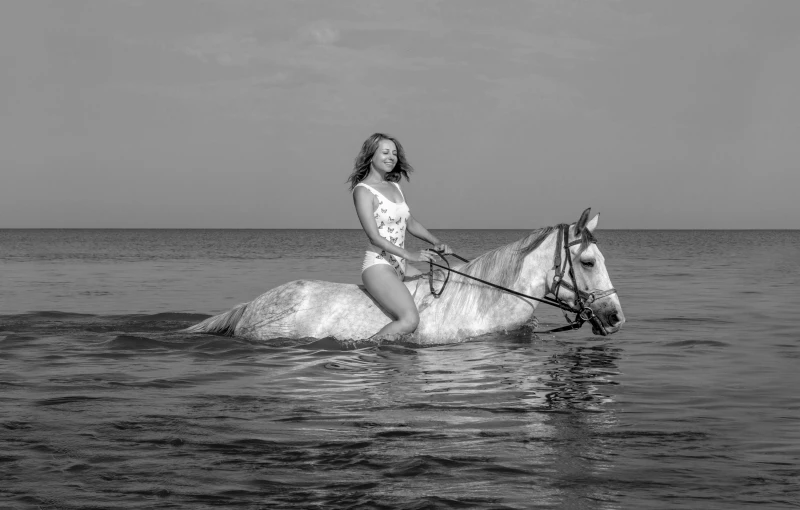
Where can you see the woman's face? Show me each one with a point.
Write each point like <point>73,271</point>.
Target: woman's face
<point>385,157</point>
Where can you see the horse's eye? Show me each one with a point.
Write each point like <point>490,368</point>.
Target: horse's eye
<point>587,263</point>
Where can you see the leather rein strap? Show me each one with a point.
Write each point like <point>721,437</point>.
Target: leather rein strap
<point>582,298</point>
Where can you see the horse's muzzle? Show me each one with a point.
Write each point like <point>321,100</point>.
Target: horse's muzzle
<point>608,320</point>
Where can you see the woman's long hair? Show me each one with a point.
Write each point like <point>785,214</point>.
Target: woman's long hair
<point>362,163</point>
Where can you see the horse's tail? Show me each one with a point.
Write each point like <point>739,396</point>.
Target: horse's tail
<point>223,324</point>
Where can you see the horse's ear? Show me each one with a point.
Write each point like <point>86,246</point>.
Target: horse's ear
<point>593,223</point>
<point>582,222</point>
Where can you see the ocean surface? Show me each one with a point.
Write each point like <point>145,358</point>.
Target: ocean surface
<point>105,404</point>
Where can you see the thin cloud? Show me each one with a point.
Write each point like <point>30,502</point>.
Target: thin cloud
<point>321,33</point>
<point>225,48</point>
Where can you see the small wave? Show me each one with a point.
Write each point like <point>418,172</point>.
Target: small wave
<point>402,433</point>
<point>691,320</point>
<point>687,435</point>
<point>130,342</point>
<point>16,425</point>
<point>52,314</point>
<point>252,446</point>
<point>694,343</point>
<point>431,465</point>
<point>173,316</point>
<point>469,408</point>
<point>72,399</point>
<point>17,340</point>
<point>323,344</point>
<point>126,425</point>
<point>226,345</point>
<point>61,322</point>
<point>445,502</point>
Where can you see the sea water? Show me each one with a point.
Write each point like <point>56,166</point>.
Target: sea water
<point>104,404</point>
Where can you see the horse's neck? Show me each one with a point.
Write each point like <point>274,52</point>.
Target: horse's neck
<point>532,281</point>
<point>533,277</point>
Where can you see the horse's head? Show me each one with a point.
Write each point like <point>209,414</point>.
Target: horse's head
<point>592,277</point>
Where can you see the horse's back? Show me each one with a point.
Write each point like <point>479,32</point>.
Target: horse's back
<point>312,309</point>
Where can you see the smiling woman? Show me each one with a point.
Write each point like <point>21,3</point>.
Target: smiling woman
<point>385,217</point>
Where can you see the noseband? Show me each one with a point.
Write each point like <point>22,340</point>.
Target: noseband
<point>582,298</point>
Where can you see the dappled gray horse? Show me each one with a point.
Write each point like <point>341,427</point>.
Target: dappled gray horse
<point>467,308</point>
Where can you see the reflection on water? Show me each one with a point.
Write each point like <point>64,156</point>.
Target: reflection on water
<point>579,376</point>
<point>582,383</point>
<point>201,420</point>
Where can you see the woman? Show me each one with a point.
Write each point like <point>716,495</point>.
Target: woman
<point>385,217</point>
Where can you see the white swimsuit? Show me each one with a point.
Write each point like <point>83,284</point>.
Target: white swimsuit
<point>391,219</point>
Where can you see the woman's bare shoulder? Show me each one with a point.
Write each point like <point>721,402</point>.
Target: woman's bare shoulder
<point>362,193</point>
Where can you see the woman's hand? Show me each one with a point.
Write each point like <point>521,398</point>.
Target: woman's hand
<point>421,256</point>
<point>443,248</point>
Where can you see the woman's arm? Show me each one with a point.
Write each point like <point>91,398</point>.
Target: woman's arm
<point>365,208</point>
<point>417,230</point>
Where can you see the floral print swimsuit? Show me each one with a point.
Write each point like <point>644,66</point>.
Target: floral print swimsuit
<point>391,219</point>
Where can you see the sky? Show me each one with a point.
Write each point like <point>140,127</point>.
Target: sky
<point>515,114</point>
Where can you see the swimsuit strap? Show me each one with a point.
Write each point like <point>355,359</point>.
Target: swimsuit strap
<point>366,186</point>
<point>373,190</point>
<point>400,190</point>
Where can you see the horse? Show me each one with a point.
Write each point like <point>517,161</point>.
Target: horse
<point>466,308</point>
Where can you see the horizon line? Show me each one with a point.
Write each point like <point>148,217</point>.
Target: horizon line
<point>358,228</point>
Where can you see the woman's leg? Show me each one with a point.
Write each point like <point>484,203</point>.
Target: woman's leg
<point>386,288</point>
<point>412,271</point>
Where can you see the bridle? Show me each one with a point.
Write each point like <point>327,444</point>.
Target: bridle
<point>582,298</point>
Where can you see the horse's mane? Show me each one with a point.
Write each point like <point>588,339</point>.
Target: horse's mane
<point>501,266</point>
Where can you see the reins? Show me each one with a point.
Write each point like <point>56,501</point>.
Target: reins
<point>582,311</point>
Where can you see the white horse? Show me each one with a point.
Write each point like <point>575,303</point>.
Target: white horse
<point>467,308</point>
